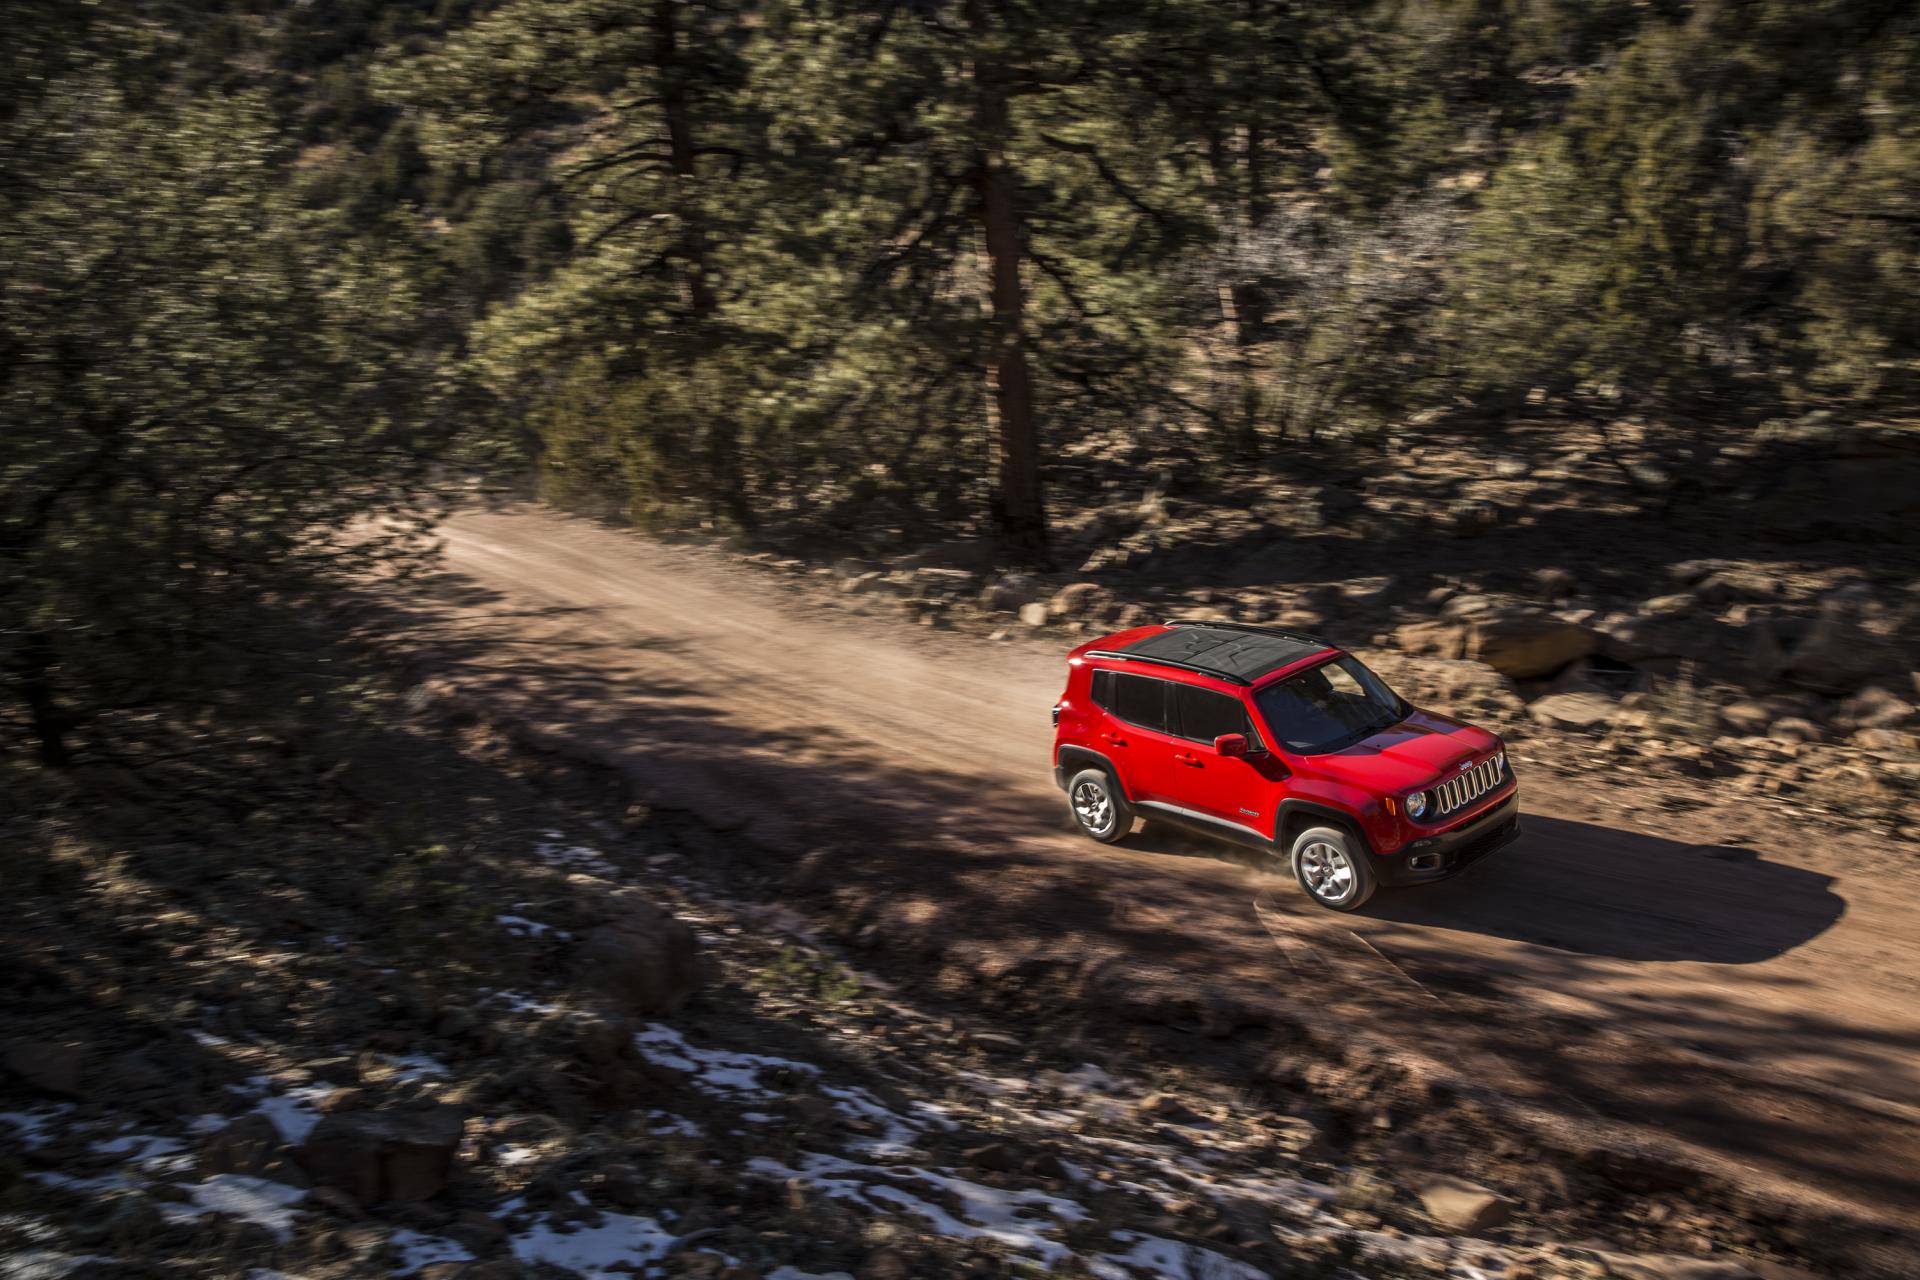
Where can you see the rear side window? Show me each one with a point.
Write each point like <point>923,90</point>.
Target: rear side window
<point>1138,700</point>
<point>1205,715</point>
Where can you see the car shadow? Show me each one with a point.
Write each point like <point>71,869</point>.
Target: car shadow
<point>1590,890</point>
<point>1602,891</point>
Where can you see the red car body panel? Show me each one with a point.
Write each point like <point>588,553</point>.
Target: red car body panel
<point>1364,785</point>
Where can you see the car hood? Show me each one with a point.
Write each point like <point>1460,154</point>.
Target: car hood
<point>1411,755</point>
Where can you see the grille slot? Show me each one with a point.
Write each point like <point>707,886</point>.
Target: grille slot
<point>1463,789</point>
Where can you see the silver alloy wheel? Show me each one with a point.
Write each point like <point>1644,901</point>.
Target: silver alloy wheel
<point>1327,872</point>
<point>1092,806</point>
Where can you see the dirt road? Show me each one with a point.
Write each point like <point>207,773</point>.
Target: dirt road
<point>1758,1001</point>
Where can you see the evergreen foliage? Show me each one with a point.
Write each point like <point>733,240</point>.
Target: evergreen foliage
<point>878,269</point>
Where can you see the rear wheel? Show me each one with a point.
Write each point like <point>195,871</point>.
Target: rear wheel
<point>1098,806</point>
<point>1332,869</point>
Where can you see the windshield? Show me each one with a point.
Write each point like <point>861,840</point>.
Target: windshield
<point>1328,707</point>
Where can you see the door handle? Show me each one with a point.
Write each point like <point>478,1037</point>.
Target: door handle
<point>1115,739</point>
<point>1186,757</point>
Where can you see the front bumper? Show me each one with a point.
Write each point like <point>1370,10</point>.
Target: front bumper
<point>1450,852</point>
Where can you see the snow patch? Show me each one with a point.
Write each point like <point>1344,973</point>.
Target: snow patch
<point>1170,1260</point>
<point>31,1126</point>
<point>293,1111</point>
<point>138,1147</point>
<point>555,852</point>
<point>257,1200</point>
<point>720,1073</point>
<point>521,927</point>
<point>417,1249</point>
<point>618,1246</point>
<point>45,1264</point>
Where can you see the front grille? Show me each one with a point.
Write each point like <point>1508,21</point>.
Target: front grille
<point>1463,789</point>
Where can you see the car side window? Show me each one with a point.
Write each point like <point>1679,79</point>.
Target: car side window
<point>1138,700</point>
<point>1204,714</point>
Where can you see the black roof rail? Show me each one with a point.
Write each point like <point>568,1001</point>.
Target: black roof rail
<point>1248,626</point>
<point>1150,660</point>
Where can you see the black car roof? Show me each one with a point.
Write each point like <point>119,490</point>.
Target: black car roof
<point>1228,651</point>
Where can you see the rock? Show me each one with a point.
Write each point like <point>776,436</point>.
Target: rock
<point>644,959</point>
<point>1166,1107</point>
<point>1076,599</point>
<point>996,1157</point>
<point>1876,708</point>
<point>1577,711</point>
<point>1671,1266</point>
<point>1463,1207</point>
<point>1553,584</point>
<point>1033,614</point>
<point>1748,718</point>
<point>120,1215</point>
<point>1796,729</point>
<point>249,1144</point>
<point>1470,689</point>
<point>884,1264</point>
<point>58,1067</point>
<point>378,1156</point>
<point>1472,517</point>
<point>1439,639</point>
<point>1524,646</point>
<point>1894,740</point>
<point>1008,592</point>
<point>1045,1164</point>
<point>334,1201</point>
<point>1839,652</point>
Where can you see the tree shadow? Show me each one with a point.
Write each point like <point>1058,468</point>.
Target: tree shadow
<point>940,865</point>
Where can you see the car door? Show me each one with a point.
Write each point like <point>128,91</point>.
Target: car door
<point>1230,789</point>
<point>1134,735</point>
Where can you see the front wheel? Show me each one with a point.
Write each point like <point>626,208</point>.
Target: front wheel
<point>1332,868</point>
<point>1098,806</point>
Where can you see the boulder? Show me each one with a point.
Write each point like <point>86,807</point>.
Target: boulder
<point>1033,614</point>
<point>249,1144</point>
<point>1472,517</point>
<point>1438,639</point>
<point>1076,599</point>
<point>1875,707</point>
<point>1524,646</point>
<point>1796,729</point>
<point>644,959</point>
<point>1008,592</point>
<point>1746,717</point>
<point>1463,1207</point>
<point>1579,710</point>
<point>1470,689</point>
<point>385,1156</point>
<point>1553,583</point>
<point>1839,652</point>
<point>1893,740</point>
<point>57,1067</point>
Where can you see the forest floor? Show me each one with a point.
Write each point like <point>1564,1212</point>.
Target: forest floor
<point>931,1032</point>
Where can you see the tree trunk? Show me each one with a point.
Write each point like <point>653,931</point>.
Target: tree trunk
<point>726,493</point>
<point>43,712</point>
<point>1019,508</point>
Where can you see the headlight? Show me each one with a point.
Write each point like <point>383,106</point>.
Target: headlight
<point>1417,805</point>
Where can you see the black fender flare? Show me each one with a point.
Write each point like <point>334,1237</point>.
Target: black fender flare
<point>1071,759</point>
<point>1291,807</point>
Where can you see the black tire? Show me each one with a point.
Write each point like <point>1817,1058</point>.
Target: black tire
<point>1099,807</point>
<point>1333,860</point>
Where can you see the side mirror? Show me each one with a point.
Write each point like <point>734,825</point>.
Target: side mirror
<point>1230,744</point>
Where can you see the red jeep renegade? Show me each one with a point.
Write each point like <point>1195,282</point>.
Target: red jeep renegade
<point>1281,741</point>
